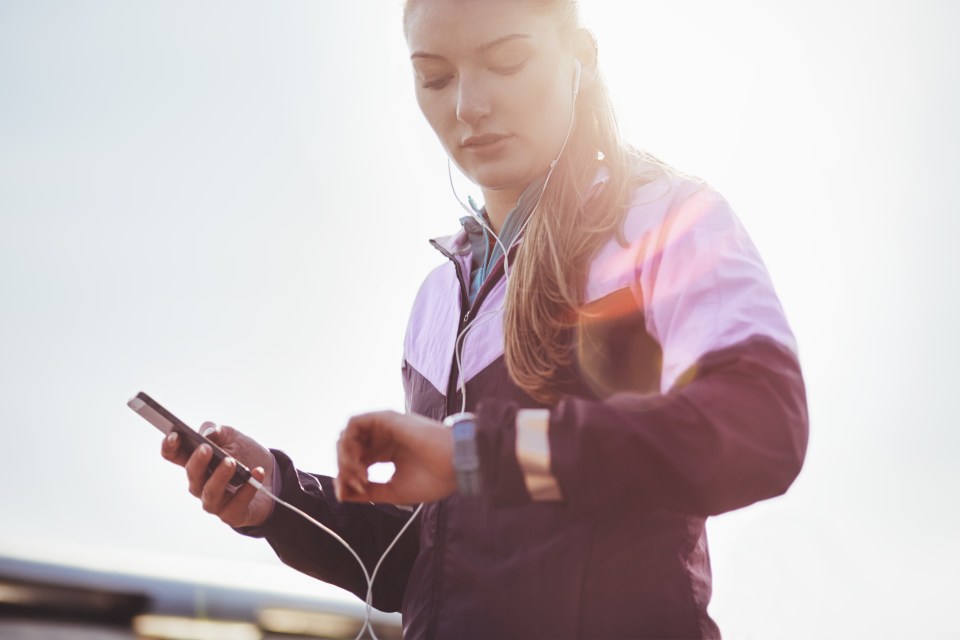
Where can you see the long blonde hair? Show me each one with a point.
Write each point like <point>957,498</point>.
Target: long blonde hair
<point>548,276</point>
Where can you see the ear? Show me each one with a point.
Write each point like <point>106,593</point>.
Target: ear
<point>585,50</point>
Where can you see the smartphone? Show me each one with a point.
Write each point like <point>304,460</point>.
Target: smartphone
<point>154,413</point>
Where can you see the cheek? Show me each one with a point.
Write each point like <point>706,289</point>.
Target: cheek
<point>437,113</point>
<point>545,105</point>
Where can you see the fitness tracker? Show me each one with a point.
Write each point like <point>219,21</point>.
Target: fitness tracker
<point>466,463</point>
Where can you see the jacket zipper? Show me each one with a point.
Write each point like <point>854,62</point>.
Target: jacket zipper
<point>493,277</point>
<point>440,532</point>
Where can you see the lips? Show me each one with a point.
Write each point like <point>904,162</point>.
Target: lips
<point>483,141</point>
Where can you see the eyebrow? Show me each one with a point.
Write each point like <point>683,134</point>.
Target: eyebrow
<point>481,49</point>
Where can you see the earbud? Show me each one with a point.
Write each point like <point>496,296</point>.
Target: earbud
<point>577,69</point>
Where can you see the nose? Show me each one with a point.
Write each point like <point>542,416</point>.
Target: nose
<point>473,101</point>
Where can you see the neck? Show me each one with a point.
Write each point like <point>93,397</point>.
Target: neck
<point>498,204</point>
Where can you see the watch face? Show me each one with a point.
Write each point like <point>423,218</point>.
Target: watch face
<point>464,429</point>
<point>466,463</point>
<point>464,445</point>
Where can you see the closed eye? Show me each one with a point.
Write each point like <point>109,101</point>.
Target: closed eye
<point>438,83</point>
<point>509,70</point>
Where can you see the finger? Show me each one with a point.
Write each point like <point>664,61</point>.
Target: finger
<point>196,468</point>
<point>170,449</point>
<point>237,509</point>
<point>368,438</point>
<point>382,492</point>
<point>349,490</point>
<point>379,435</point>
<point>350,454</point>
<point>351,484</point>
<point>214,492</point>
<point>372,492</point>
<point>349,446</point>
<point>218,433</point>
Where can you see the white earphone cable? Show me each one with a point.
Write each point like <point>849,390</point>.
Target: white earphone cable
<point>461,383</point>
<point>458,343</point>
<point>368,576</point>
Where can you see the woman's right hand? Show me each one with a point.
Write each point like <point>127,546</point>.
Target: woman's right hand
<point>247,507</point>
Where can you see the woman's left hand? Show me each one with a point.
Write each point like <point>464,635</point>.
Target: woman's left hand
<point>421,450</point>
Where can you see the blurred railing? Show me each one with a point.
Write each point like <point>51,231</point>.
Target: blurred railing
<point>50,601</point>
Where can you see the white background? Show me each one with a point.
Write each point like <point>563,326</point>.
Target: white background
<point>226,204</point>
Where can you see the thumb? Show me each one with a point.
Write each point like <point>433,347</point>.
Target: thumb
<point>370,492</point>
<point>217,433</point>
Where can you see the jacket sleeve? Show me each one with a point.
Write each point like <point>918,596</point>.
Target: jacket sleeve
<point>368,529</point>
<point>730,424</point>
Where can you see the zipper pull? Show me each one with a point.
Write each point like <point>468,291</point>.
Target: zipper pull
<point>466,317</point>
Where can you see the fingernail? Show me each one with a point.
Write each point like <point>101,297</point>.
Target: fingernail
<point>171,437</point>
<point>336,491</point>
<point>357,486</point>
<point>204,449</point>
<point>229,462</point>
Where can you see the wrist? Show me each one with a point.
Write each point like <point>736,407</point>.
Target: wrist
<point>271,474</point>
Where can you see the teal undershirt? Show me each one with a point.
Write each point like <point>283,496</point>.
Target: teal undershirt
<point>485,250</point>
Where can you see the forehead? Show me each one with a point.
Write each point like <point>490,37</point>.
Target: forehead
<point>448,27</point>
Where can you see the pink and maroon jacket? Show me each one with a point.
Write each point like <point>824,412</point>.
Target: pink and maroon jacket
<point>689,402</point>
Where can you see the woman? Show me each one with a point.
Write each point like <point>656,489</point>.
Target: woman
<point>623,372</point>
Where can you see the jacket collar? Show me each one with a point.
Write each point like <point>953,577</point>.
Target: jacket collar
<point>459,243</point>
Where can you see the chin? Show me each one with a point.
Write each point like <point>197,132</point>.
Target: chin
<point>498,178</point>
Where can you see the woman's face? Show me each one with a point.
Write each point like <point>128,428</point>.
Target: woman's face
<point>495,82</point>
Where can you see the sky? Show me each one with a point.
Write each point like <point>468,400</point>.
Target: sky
<point>226,204</point>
